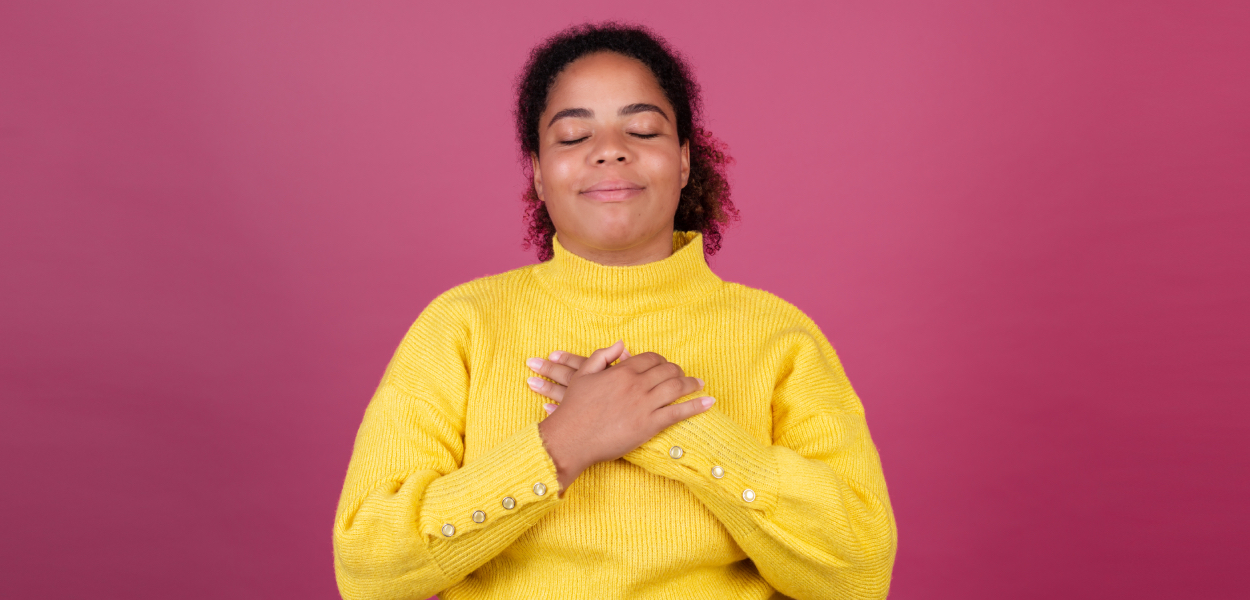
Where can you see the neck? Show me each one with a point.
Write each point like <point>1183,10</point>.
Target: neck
<point>657,247</point>
<point>620,290</point>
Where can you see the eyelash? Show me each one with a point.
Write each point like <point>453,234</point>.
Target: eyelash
<point>645,136</point>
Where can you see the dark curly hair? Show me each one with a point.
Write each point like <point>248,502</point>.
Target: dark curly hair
<point>705,205</point>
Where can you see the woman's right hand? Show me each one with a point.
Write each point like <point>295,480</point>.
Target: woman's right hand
<point>605,413</point>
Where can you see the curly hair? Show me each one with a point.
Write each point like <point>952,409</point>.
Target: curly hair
<point>705,204</point>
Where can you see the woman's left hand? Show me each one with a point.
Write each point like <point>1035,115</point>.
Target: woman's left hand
<point>558,366</point>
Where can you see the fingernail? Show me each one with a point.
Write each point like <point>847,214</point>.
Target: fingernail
<point>550,408</point>
<point>534,363</point>
<point>555,355</point>
<point>535,382</point>
<point>700,381</point>
<point>707,401</point>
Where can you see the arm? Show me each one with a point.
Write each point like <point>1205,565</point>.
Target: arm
<point>406,480</point>
<point>819,524</point>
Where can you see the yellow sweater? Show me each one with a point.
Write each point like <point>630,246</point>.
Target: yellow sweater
<point>450,490</point>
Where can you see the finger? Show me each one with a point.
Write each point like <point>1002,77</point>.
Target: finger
<point>660,373</point>
<point>601,358</point>
<point>644,361</point>
<point>552,370</point>
<point>681,411</point>
<point>671,389</point>
<point>567,359</point>
<point>549,389</point>
<point>624,355</point>
<point>574,360</point>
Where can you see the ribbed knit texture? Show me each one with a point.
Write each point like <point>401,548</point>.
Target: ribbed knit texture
<point>453,429</point>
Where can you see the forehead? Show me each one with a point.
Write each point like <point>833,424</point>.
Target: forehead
<point>606,79</point>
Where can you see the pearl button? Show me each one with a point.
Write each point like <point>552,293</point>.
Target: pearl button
<point>540,488</point>
<point>718,472</point>
<point>449,530</point>
<point>509,503</point>
<point>675,452</point>
<point>748,495</point>
<point>478,516</point>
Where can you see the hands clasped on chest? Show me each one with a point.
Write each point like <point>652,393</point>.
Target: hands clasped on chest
<point>604,413</point>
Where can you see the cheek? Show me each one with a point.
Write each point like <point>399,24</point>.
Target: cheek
<point>663,166</point>
<point>560,172</point>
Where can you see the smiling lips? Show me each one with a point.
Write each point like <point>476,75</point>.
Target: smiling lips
<point>613,190</point>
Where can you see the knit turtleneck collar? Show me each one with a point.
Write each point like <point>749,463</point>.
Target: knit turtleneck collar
<point>682,277</point>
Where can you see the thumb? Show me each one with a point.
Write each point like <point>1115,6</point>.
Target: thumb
<point>601,358</point>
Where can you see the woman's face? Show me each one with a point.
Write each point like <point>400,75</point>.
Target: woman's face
<point>610,167</point>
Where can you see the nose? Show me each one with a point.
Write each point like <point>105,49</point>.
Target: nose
<point>612,149</point>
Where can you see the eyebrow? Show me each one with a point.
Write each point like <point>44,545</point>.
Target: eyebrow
<point>641,107</point>
<point>586,113</point>
<point>577,113</point>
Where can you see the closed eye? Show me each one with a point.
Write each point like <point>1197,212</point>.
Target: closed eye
<point>571,142</point>
<point>645,136</point>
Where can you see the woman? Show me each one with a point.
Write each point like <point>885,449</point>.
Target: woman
<point>727,458</point>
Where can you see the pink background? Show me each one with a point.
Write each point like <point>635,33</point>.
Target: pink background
<point>1021,223</point>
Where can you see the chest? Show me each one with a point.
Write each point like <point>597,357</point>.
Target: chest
<point>731,360</point>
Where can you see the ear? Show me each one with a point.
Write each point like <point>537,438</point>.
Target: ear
<point>538,176</point>
<point>685,163</point>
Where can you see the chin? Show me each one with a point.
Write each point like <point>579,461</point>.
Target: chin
<point>614,234</point>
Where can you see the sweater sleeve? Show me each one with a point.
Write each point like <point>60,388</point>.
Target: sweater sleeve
<point>413,519</point>
<point>810,509</point>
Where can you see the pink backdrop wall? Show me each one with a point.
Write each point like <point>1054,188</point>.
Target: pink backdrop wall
<point>1022,225</point>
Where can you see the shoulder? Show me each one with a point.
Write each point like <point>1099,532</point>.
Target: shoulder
<point>781,327</point>
<point>448,322</point>
<point>801,355</point>
<point>480,294</point>
<point>767,306</point>
<point>485,289</point>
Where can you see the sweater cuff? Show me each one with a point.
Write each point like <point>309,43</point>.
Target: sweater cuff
<point>731,471</point>
<point>508,490</point>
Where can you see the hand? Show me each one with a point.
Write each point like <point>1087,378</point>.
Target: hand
<point>559,366</point>
<point>607,412</point>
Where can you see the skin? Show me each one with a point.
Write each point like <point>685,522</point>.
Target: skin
<point>604,132</point>
<point>610,169</point>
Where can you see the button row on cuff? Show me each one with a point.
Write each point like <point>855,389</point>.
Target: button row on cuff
<point>479,516</point>
<point>717,471</point>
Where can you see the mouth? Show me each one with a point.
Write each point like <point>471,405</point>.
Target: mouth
<point>614,190</point>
